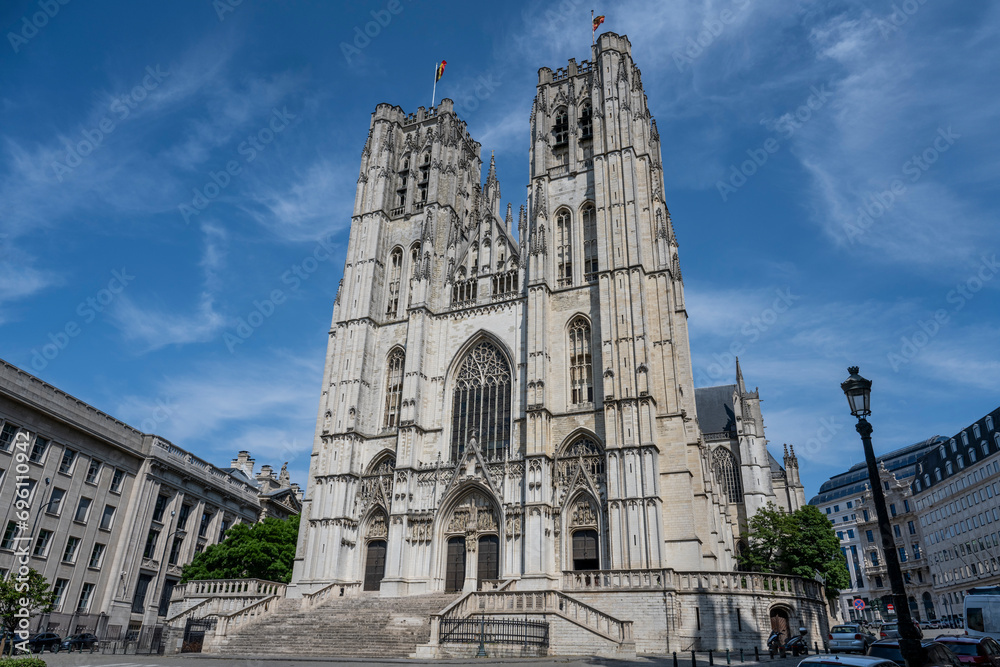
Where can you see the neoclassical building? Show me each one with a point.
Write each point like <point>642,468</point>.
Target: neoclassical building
<point>511,397</point>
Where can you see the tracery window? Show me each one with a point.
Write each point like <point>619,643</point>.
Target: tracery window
<point>564,249</point>
<point>561,128</point>
<point>727,474</point>
<point>589,244</point>
<point>586,122</point>
<point>393,388</point>
<point>581,378</point>
<point>481,405</point>
<point>395,268</point>
<point>585,451</point>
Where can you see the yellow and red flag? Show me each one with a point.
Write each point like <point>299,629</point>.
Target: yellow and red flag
<point>598,20</point>
<point>440,71</point>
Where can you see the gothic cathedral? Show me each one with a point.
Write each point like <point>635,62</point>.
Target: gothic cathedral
<point>518,404</point>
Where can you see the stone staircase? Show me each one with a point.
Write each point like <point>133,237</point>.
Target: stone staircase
<point>365,626</point>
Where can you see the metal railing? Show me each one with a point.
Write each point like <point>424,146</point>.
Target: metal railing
<point>494,631</point>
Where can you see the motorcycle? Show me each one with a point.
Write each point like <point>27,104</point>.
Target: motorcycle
<point>797,646</point>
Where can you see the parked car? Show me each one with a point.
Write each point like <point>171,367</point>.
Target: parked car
<point>80,642</point>
<point>973,650</point>
<point>845,661</point>
<point>850,637</point>
<point>934,625</point>
<point>44,640</point>
<point>933,653</point>
<point>889,631</point>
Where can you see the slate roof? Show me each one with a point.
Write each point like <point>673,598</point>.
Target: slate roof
<point>715,408</point>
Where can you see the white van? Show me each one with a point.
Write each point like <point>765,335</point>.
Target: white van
<point>982,612</point>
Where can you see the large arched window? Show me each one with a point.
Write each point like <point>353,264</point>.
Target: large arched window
<point>564,249</point>
<point>727,474</point>
<point>481,405</point>
<point>395,269</point>
<point>560,130</point>
<point>581,377</point>
<point>589,244</point>
<point>393,388</point>
<point>586,452</point>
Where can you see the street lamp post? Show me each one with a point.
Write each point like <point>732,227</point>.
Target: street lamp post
<point>858,391</point>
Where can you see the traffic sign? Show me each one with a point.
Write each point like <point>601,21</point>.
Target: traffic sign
<point>859,604</point>
<point>890,607</point>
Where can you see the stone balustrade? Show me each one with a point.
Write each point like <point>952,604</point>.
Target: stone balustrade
<point>329,592</point>
<point>666,579</point>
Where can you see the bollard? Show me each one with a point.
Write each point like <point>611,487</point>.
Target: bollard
<point>728,661</point>
<point>675,658</point>
<point>710,661</point>
<point>694,663</point>
<point>741,655</point>
<point>816,645</point>
<point>756,654</point>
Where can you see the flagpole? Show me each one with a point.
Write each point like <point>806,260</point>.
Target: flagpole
<point>434,91</point>
<point>592,29</point>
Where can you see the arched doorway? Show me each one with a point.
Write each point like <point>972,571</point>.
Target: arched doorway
<point>779,621</point>
<point>488,565</point>
<point>929,605</point>
<point>374,564</point>
<point>454,574</point>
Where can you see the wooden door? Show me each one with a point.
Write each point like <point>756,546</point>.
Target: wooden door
<point>454,577</point>
<point>375,565</point>
<point>489,559</point>
<point>585,550</point>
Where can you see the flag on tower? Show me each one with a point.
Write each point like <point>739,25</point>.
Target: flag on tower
<point>598,20</point>
<point>440,71</point>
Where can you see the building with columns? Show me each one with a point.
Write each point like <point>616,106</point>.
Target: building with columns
<point>510,397</point>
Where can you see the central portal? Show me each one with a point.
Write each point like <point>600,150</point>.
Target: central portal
<point>454,578</point>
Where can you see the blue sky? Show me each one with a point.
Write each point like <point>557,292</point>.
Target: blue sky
<point>830,168</point>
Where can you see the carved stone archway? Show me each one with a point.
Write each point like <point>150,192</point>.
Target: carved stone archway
<point>474,518</point>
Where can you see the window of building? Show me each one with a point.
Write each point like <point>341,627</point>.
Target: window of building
<point>937,474</point>
<point>836,508</point>
<point>961,462</point>
<point>912,528</point>
<point>69,554</point>
<point>906,505</point>
<point>206,518</point>
<point>150,549</point>
<point>107,517</point>
<point>953,445</point>
<point>892,509</point>
<point>972,455</point>
<point>93,472</point>
<point>9,535</point>
<point>586,122</point>
<point>85,594</point>
<point>840,535</point>
<point>481,402</point>
<point>58,591</point>
<point>175,550</point>
<point>42,543</point>
<point>393,388</point>
<point>55,501</point>
<point>874,557</point>
<point>139,597</point>
<point>850,504</point>
<point>160,508</point>
<point>580,364</point>
<point>727,474</point>
<point>865,514</point>
<point>878,582</point>
<point>589,244</point>
<point>182,517</point>
<point>916,551</point>
<point>38,449</point>
<point>66,465</point>
<point>827,510</point>
<point>82,510</point>
<point>896,531</point>
<point>223,527</point>
<point>395,271</point>
<point>7,434</point>
<point>850,534</point>
<point>989,424</point>
<point>948,468</point>
<point>564,249</point>
<point>561,128</point>
<point>116,481</point>
<point>965,438</point>
<point>870,535</point>
<point>902,554</point>
<point>97,555</point>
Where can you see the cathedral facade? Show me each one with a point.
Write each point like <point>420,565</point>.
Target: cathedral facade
<point>511,398</point>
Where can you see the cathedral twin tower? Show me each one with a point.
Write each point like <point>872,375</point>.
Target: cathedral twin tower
<point>519,404</point>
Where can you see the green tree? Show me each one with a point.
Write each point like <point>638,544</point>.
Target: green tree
<point>802,543</point>
<point>262,551</point>
<point>23,596</point>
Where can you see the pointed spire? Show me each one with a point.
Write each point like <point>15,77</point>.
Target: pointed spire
<point>740,386</point>
<point>522,221</point>
<point>492,175</point>
<point>509,220</point>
